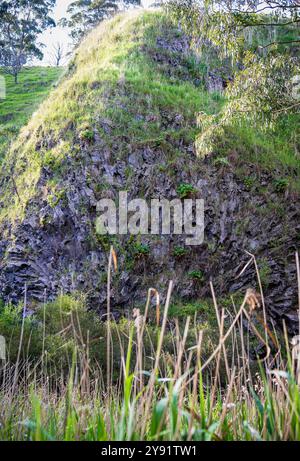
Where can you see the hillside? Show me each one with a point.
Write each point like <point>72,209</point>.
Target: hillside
<point>23,99</point>
<point>143,336</point>
<point>124,117</point>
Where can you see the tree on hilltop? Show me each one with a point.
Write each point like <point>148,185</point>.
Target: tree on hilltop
<point>21,22</point>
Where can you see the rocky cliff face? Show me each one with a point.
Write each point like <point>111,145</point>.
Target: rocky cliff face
<point>103,131</point>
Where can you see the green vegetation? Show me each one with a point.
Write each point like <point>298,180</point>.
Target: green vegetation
<point>114,76</point>
<point>190,373</point>
<point>179,251</point>
<point>202,311</point>
<point>83,16</point>
<point>21,24</point>
<point>185,190</point>
<point>196,382</point>
<point>56,328</point>
<point>274,150</point>
<point>221,161</point>
<point>141,249</point>
<point>264,272</point>
<point>23,99</point>
<point>281,184</point>
<point>196,274</point>
<point>259,120</point>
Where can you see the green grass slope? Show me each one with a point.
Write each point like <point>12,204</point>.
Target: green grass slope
<point>111,92</point>
<point>22,99</point>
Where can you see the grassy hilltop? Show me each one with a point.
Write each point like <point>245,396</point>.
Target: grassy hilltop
<point>111,91</point>
<point>114,92</point>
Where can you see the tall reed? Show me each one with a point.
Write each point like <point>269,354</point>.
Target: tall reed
<point>183,396</point>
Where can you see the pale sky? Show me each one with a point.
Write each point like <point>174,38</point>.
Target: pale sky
<point>51,36</point>
<point>56,34</point>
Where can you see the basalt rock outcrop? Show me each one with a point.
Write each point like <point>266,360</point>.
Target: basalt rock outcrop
<point>50,244</point>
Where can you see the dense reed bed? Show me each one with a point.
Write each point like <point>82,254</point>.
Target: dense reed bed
<point>188,394</point>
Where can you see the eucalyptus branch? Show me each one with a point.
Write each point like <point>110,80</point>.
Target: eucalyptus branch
<point>271,24</point>
<point>287,42</point>
<point>269,7</point>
